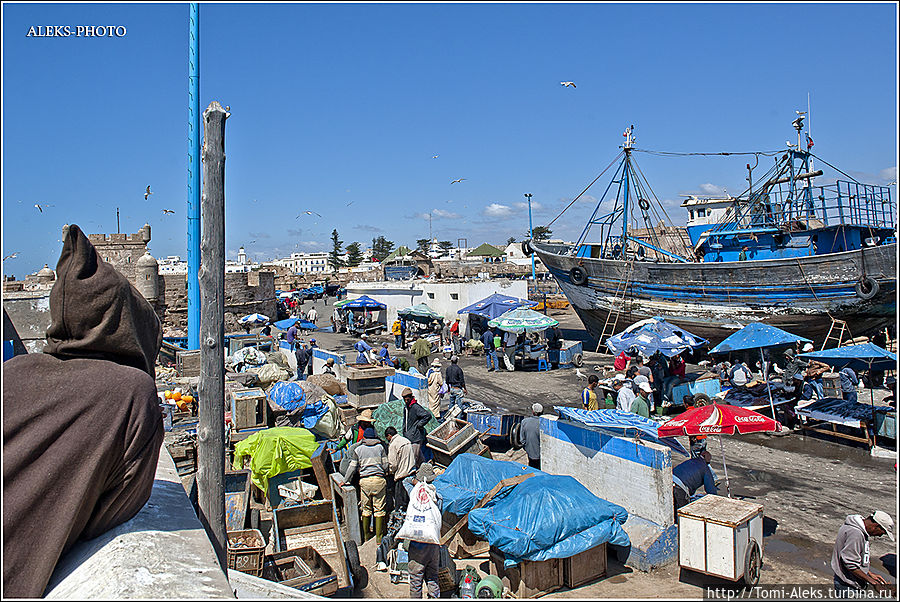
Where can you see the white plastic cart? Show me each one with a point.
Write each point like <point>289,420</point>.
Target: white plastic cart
<point>722,537</point>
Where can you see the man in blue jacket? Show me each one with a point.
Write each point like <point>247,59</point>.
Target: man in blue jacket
<point>689,476</point>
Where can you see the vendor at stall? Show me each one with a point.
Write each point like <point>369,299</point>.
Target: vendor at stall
<point>689,476</point>
<point>363,348</point>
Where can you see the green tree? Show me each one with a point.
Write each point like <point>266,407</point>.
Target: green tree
<point>510,240</point>
<point>541,233</point>
<point>445,246</point>
<point>334,257</point>
<point>354,255</point>
<point>422,245</point>
<point>381,248</point>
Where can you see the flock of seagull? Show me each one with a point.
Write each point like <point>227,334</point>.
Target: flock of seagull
<point>148,192</point>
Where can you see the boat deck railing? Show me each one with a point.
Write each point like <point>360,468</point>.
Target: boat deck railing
<point>843,203</point>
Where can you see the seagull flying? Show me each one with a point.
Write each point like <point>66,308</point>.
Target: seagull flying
<point>434,156</point>
<point>350,203</point>
<point>147,193</point>
<point>39,207</point>
<point>459,180</point>
<point>11,256</point>
<point>568,84</point>
<point>308,213</point>
<point>168,211</point>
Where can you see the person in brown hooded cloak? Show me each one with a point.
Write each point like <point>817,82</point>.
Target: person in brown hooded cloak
<point>82,428</point>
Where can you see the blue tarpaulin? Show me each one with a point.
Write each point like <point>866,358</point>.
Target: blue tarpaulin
<point>495,306</point>
<point>288,322</point>
<point>866,356</point>
<point>364,302</point>
<point>620,424</point>
<point>652,335</point>
<point>546,516</point>
<point>757,336</point>
<point>291,397</point>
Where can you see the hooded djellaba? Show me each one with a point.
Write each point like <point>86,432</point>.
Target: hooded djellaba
<point>82,427</point>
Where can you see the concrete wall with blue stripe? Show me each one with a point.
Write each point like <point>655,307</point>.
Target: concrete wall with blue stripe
<point>634,474</point>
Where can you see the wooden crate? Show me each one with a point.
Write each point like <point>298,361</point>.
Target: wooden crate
<point>187,363</point>
<point>528,579</point>
<point>248,408</point>
<point>585,567</point>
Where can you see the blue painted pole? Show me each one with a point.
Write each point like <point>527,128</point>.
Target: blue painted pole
<point>193,233</point>
<point>531,234</point>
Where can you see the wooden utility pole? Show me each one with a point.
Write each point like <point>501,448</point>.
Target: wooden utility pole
<point>211,430</point>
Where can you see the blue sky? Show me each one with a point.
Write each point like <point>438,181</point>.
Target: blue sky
<point>339,109</point>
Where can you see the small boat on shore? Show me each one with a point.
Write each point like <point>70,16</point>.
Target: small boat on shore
<point>784,252</point>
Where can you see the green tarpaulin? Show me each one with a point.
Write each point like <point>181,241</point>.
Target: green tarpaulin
<point>390,413</point>
<point>274,451</point>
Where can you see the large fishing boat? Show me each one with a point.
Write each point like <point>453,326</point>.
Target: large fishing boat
<point>784,252</point>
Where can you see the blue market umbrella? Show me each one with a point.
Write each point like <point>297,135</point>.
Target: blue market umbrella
<point>364,302</point>
<point>757,335</point>
<point>652,335</point>
<point>254,319</point>
<point>495,305</point>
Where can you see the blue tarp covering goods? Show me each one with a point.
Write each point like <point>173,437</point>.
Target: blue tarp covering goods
<point>546,516</point>
<point>620,424</point>
<point>291,397</point>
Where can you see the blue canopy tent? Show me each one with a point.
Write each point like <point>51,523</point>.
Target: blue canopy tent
<point>495,306</point>
<point>757,335</point>
<point>364,302</point>
<point>620,424</point>
<point>652,335</point>
<point>866,356</point>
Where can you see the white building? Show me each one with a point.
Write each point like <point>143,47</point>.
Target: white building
<point>306,263</point>
<point>172,265</point>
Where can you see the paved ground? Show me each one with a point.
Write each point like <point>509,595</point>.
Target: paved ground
<point>807,484</point>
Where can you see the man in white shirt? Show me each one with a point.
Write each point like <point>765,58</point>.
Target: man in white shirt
<point>312,315</point>
<point>509,350</point>
<point>401,463</point>
<point>624,393</point>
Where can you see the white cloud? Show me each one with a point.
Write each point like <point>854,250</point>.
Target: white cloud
<point>711,189</point>
<point>535,206</point>
<point>889,174</point>
<point>440,213</point>
<point>498,210</point>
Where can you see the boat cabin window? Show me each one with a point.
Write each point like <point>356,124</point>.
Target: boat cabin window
<point>701,212</point>
<point>691,213</point>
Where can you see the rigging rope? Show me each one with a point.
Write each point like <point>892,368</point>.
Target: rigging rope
<point>586,189</point>
<point>834,168</point>
<point>721,154</point>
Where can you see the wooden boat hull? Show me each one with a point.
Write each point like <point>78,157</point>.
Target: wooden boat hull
<point>712,300</point>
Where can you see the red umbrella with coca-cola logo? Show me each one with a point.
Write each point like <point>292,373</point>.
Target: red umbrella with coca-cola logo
<point>715,419</point>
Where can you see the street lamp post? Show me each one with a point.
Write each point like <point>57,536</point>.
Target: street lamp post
<point>531,234</point>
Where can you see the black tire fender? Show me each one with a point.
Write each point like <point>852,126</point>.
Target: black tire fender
<point>526,247</point>
<point>866,288</point>
<point>515,440</point>
<point>578,276</point>
<point>644,204</point>
<point>354,566</point>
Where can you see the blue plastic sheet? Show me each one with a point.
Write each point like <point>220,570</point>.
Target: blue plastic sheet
<point>291,397</point>
<point>546,516</point>
<point>621,424</point>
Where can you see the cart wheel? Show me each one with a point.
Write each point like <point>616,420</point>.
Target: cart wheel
<point>514,438</point>
<point>701,399</point>
<point>353,564</point>
<point>752,564</point>
<point>578,360</point>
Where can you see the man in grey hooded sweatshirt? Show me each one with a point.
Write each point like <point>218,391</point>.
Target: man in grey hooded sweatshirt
<point>850,560</point>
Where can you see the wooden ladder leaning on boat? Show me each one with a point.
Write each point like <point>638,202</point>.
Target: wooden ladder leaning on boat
<point>609,327</point>
<point>841,327</point>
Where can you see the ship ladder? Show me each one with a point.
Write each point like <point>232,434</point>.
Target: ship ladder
<point>619,300</point>
<point>839,328</point>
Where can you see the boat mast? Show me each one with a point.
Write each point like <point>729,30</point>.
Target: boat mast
<point>629,144</point>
